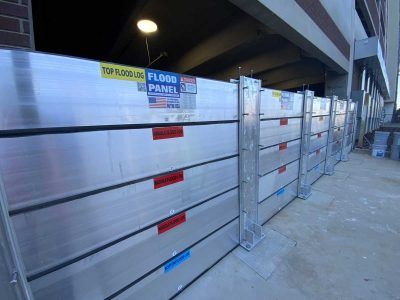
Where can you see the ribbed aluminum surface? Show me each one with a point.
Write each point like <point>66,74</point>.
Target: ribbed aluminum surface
<point>273,204</point>
<point>163,285</point>
<point>276,156</point>
<point>315,173</point>
<point>318,141</point>
<point>277,179</point>
<point>316,157</point>
<point>319,124</point>
<point>340,120</point>
<point>341,106</point>
<point>45,91</point>
<point>96,220</point>
<point>273,132</point>
<point>321,106</point>
<point>279,104</point>
<point>42,168</point>
<point>113,268</point>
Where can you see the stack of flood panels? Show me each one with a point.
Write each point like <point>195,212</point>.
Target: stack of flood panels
<point>318,138</point>
<point>121,182</point>
<point>339,130</point>
<point>280,142</point>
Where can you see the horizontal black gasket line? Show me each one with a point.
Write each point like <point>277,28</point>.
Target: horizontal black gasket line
<point>274,145</point>
<point>59,266</point>
<point>159,266</point>
<point>274,119</point>
<point>49,203</point>
<point>14,133</point>
<point>322,161</point>
<point>323,115</point>
<point>280,166</point>
<point>314,134</point>
<point>278,190</point>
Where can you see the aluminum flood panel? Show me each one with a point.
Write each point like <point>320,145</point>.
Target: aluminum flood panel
<point>41,233</point>
<point>43,168</point>
<point>273,204</point>
<point>341,107</point>
<point>340,120</point>
<point>113,268</point>
<point>316,157</point>
<point>273,132</point>
<point>164,284</point>
<point>335,147</point>
<point>319,124</point>
<point>276,156</point>
<point>277,179</point>
<point>47,91</point>
<point>315,173</point>
<point>337,134</point>
<point>317,141</point>
<point>321,106</point>
<point>280,104</point>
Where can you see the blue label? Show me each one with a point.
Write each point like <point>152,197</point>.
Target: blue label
<point>280,192</point>
<point>165,84</point>
<point>169,266</point>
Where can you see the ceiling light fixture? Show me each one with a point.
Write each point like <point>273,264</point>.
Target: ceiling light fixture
<point>147,26</point>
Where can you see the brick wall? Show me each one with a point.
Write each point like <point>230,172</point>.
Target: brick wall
<point>15,24</point>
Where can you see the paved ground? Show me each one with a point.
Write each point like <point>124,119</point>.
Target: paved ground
<point>341,243</point>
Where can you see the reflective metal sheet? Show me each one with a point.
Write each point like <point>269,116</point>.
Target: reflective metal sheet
<point>273,132</point>
<point>39,90</point>
<point>341,106</point>
<point>319,124</point>
<point>279,104</point>
<point>163,285</point>
<point>321,106</point>
<point>316,157</point>
<point>273,204</point>
<point>315,173</point>
<point>38,169</point>
<point>113,268</point>
<point>276,156</point>
<point>337,133</point>
<point>340,120</point>
<point>56,234</point>
<point>277,179</point>
<point>318,141</point>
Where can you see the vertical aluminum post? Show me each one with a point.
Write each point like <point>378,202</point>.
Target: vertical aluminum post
<point>345,149</point>
<point>304,188</point>
<point>13,283</point>
<point>330,161</point>
<point>355,118</point>
<point>249,137</point>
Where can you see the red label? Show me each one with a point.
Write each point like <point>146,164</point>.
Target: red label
<point>168,179</point>
<point>318,151</point>
<point>321,118</point>
<point>171,222</point>
<point>283,122</point>
<point>282,146</point>
<point>281,169</point>
<point>160,133</point>
<point>319,135</point>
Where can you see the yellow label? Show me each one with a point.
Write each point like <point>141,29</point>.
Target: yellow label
<point>112,71</point>
<point>276,94</point>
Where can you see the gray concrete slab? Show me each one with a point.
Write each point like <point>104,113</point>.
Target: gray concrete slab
<point>347,236</point>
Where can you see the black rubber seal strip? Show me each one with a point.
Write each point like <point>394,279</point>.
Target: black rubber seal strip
<point>280,166</point>
<point>272,119</point>
<point>278,190</point>
<point>274,145</point>
<point>14,133</point>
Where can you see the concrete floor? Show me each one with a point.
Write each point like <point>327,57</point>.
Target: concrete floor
<point>341,243</point>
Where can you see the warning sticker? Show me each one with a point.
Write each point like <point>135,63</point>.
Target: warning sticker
<point>276,94</point>
<point>280,192</point>
<point>161,133</point>
<point>169,266</point>
<point>163,102</point>
<point>282,169</point>
<point>113,71</point>
<point>282,146</point>
<point>171,223</point>
<point>168,179</point>
<point>283,122</point>
<point>188,84</point>
<point>286,101</point>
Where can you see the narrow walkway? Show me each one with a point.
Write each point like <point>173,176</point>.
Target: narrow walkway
<point>341,243</point>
